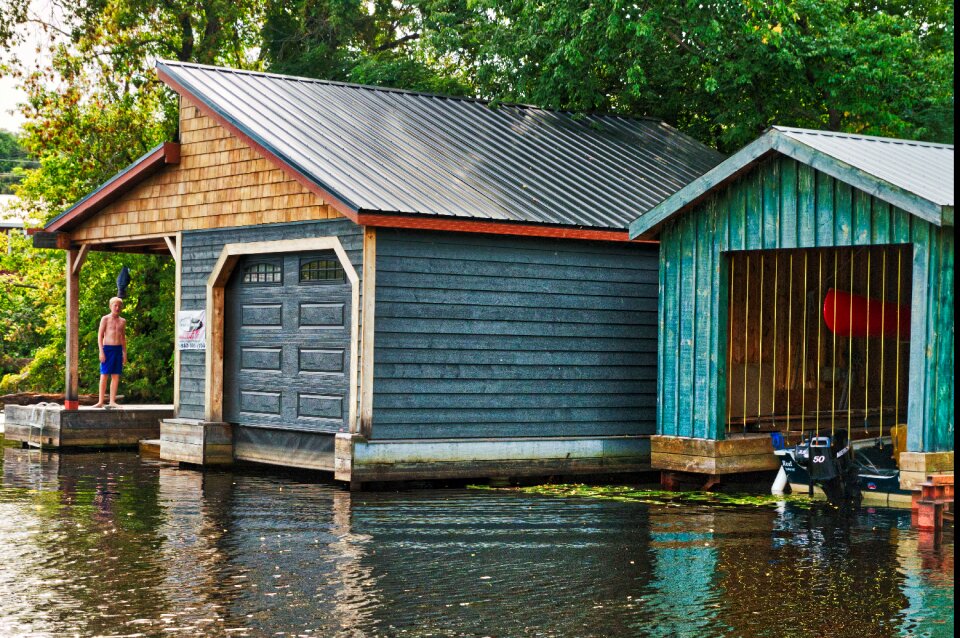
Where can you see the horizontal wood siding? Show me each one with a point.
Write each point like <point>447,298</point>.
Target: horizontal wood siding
<point>480,336</point>
<point>220,182</point>
<point>201,249</point>
<point>784,204</point>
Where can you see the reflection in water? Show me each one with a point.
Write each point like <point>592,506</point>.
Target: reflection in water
<point>101,544</point>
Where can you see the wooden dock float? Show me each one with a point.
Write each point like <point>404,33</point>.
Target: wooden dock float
<point>150,448</point>
<point>45,426</point>
<point>737,454</point>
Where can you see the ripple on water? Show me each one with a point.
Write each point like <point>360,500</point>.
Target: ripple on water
<point>104,544</point>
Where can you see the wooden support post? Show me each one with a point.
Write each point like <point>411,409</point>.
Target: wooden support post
<point>71,395</point>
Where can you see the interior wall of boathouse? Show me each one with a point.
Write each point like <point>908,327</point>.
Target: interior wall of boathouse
<point>783,204</point>
<point>804,357</point>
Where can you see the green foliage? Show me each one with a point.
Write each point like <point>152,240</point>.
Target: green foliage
<point>376,43</point>
<point>31,307</point>
<point>722,71</point>
<point>13,158</point>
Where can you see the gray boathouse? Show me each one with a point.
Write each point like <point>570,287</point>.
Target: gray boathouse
<point>395,285</point>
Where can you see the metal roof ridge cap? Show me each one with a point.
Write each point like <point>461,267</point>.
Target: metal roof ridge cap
<point>693,191</point>
<point>372,87</point>
<point>860,136</point>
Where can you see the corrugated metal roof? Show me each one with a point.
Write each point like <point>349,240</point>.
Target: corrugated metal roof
<point>922,168</point>
<point>392,151</point>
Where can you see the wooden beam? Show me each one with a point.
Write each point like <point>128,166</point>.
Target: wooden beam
<point>366,340</point>
<point>71,398</point>
<point>214,354</point>
<point>81,257</point>
<point>172,245</point>
<point>44,239</point>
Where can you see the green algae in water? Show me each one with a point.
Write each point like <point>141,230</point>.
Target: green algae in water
<point>653,497</point>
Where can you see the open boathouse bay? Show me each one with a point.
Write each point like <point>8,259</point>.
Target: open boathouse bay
<point>110,544</point>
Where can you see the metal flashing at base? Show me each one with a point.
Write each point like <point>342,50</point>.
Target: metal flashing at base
<point>361,460</point>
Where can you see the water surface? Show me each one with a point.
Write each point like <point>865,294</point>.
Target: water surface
<point>107,544</point>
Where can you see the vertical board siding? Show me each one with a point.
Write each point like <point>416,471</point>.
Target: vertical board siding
<point>785,204</point>
<point>480,336</point>
<point>201,249</point>
<point>942,435</point>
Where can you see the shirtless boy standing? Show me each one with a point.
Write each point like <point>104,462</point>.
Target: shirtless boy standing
<point>112,339</point>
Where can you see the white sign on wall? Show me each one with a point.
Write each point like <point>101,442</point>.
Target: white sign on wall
<point>191,331</point>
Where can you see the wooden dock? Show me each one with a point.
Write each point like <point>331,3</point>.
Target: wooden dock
<point>51,427</point>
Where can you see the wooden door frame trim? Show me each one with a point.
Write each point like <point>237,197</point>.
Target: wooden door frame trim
<point>365,426</point>
<point>216,287</point>
<point>177,297</point>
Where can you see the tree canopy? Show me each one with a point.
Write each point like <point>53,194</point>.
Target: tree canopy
<point>720,70</point>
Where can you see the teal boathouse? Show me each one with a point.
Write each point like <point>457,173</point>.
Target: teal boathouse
<point>806,285</point>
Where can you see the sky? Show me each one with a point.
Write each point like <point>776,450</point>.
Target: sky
<point>10,96</point>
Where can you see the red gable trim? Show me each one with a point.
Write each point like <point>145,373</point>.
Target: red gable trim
<point>290,171</point>
<point>166,153</point>
<point>495,228</point>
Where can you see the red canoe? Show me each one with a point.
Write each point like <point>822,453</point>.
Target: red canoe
<point>883,316</point>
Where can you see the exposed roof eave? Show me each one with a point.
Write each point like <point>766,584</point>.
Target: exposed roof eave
<point>455,224</point>
<point>147,164</point>
<point>648,225</point>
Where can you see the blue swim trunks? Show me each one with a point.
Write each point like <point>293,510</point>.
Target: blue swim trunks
<point>113,360</point>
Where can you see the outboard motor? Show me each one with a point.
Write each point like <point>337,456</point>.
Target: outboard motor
<point>821,464</point>
<point>830,465</point>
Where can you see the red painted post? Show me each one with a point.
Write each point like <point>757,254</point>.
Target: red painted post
<point>930,516</point>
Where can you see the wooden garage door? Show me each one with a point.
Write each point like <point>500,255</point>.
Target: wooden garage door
<point>287,343</point>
